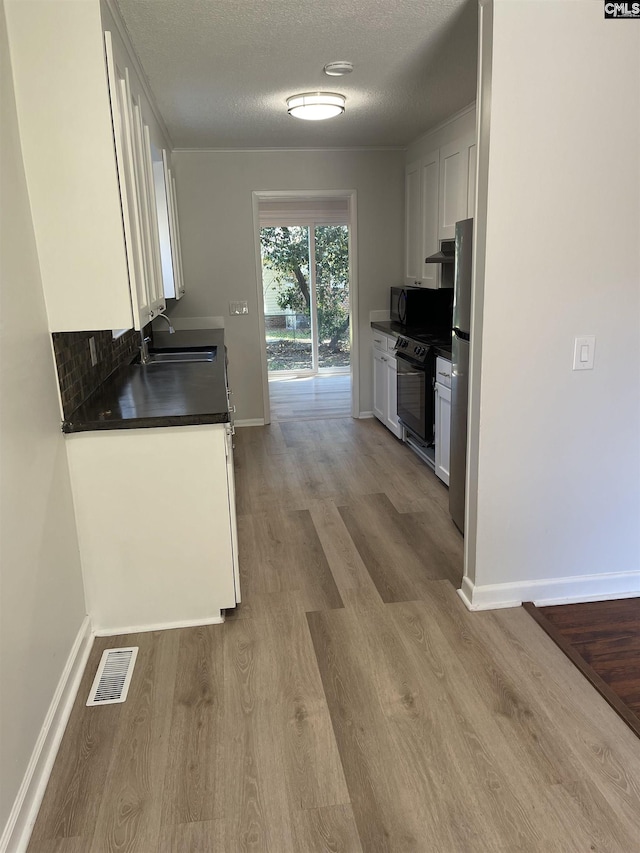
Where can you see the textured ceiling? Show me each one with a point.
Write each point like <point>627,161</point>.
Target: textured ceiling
<point>221,70</point>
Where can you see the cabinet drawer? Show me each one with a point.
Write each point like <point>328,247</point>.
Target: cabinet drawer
<point>443,371</point>
<point>380,342</point>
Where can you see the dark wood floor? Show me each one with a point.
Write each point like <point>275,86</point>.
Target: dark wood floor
<point>351,704</point>
<point>603,640</point>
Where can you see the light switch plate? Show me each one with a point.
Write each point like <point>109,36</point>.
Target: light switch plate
<point>239,307</point>
<point>584,352</point>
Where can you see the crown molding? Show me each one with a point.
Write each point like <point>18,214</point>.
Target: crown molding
<point>463,112</point>
<point>124,35</point>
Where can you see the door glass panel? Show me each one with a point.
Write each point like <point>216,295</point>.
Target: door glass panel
<point>287,297</point>
<point>332,295</point>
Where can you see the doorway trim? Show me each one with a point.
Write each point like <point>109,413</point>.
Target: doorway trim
<point>311,195</point>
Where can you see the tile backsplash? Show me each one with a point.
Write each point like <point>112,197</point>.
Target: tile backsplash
<point>77,377</point>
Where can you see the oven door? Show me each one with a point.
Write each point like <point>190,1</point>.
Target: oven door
<point>415,396</point>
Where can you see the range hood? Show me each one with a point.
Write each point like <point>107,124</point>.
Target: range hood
<point>446,255</point>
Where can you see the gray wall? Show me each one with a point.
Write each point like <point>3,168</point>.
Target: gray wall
<point>215,208</point>
<point>42,602</point>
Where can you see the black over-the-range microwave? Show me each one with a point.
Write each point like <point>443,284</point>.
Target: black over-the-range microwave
<point>417,307</point>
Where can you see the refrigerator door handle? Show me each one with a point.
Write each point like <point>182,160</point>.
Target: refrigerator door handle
<point>463,336</point>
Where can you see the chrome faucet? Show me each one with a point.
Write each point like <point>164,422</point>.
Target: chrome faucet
<point>164,317</point>
<point>144,349</point>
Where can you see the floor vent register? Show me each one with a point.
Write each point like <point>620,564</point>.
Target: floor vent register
<point>113,677</point>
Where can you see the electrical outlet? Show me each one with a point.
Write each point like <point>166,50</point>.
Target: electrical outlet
<point>92,350</point>
<point>240,307</point>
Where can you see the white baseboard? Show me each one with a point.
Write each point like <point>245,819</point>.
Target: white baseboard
<point>364,415</point>
<point>17,832</point>
<point>549,591</point>
<point>160,626</point>
<point>249,422</point>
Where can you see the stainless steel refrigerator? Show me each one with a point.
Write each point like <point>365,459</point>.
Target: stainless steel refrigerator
<point>460,369</point>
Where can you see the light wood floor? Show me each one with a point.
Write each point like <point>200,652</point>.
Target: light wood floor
<point>327,395</point>
<point>351,704</point>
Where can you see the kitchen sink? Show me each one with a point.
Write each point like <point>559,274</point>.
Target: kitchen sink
<point>182,356</point>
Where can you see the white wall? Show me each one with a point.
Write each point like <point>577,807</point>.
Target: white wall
<point>557,463</point>
<point>41,597</point>
<point>215,208</point>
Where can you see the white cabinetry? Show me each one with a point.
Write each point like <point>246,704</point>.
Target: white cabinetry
<point>57,55</point>
<point>443,418</point>
<point>86,139</point>
<point>457,185</point>
<point>412,223</point>
<point>385,390</point>
<point>137,570</point>
<point>168,232</point>
<point>439,191</point>
<point>135,174</point>
<point>421,218</point>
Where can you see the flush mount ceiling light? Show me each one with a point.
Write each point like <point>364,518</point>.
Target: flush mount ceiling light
<point>316,106</point>
<point>338,69</point>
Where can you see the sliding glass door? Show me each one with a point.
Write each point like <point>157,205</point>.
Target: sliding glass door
<point>305,276</point>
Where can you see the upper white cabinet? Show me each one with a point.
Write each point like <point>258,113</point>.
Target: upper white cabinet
<point>168,232</point>
<point>429,172</point>
<point>456,192</point>
<point>86,129</point>
<point>421,218</point>
<point>64,115</point>
<point>412,223</point>
<point>439,191</point>
<point>133,160</point>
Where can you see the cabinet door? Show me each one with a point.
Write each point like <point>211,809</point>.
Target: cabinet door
<point>164,231</point>
<point>429,244</point>
<point>121,114</point>
<point>454,169</point>
<point>158,303</point>
<point>176,245</point>
<point>392,421</point>
<point>174,230</point>
<point>147,206</point>
<point>443,431</point>
<point>380,386</point>
<point>412,267</point>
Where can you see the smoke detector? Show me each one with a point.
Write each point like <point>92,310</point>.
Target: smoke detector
<point>338,69</point>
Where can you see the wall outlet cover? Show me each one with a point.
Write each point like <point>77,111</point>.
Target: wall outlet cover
<point>584,352</point>
<point>239,307</point>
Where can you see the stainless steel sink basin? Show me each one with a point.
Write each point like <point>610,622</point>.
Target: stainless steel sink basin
<point>182,356</point>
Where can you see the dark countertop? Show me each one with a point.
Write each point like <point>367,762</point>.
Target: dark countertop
<point>395,329</point>
<point>140,396</point>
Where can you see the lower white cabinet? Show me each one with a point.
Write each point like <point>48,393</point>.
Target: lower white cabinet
<point>155,511</point>
<point>443,419</point>
<point>385,391</point>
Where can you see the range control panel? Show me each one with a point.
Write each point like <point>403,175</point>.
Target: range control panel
<point>410,348</point>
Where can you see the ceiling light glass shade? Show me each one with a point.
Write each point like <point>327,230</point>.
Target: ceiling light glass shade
<point>316,106</point>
